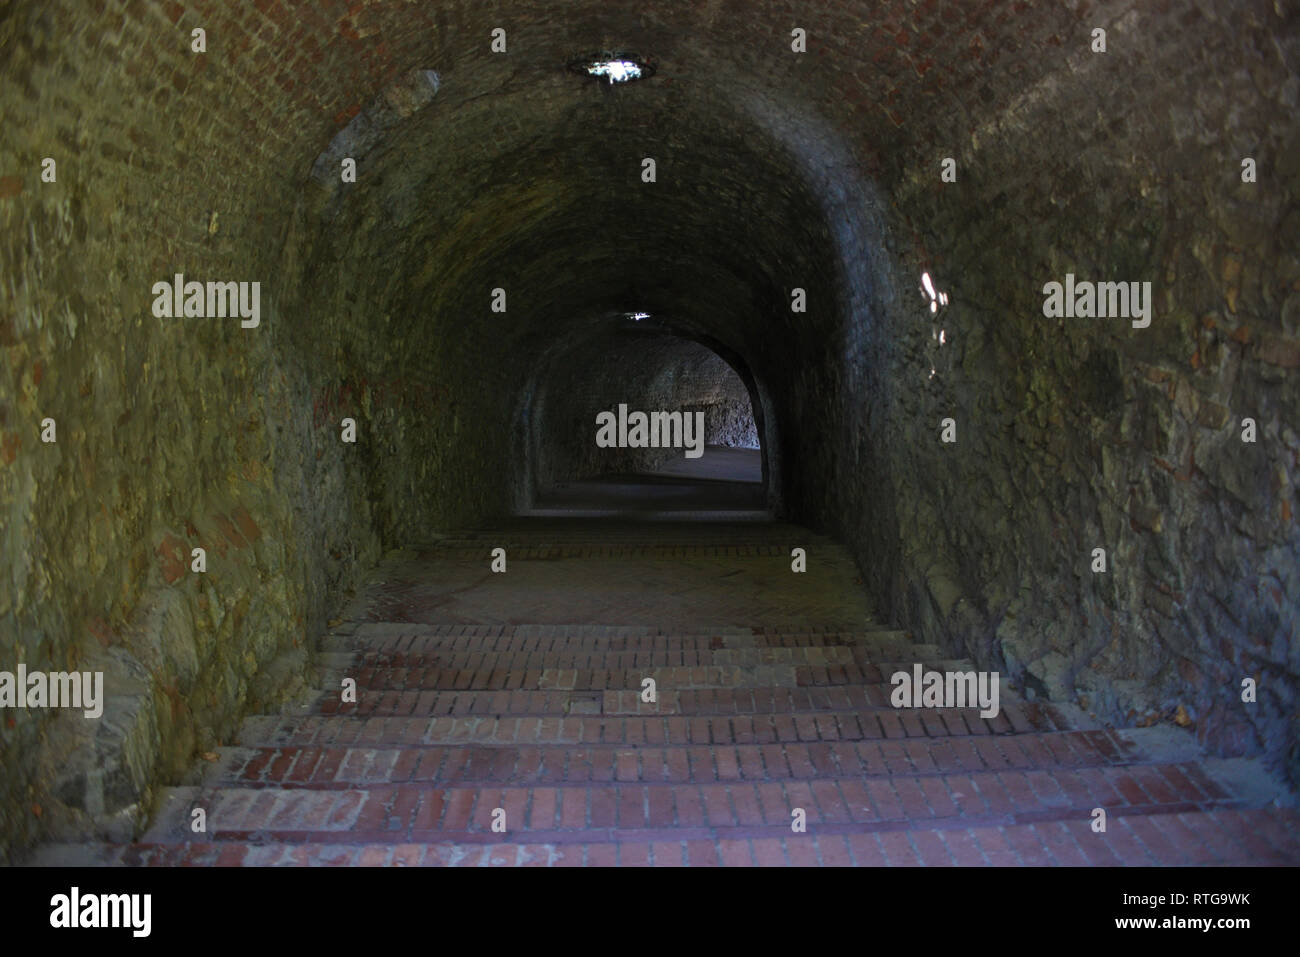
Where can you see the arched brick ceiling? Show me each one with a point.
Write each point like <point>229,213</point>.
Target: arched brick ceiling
<point>888,71</point>
<point>536,188</point>
<point>498,175</point>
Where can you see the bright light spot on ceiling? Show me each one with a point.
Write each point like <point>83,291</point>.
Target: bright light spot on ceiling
<point>617,71</point>
<point>638,316</point>
<point>615,66</point>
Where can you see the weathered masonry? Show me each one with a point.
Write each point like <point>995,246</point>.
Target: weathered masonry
<point>468,233</point>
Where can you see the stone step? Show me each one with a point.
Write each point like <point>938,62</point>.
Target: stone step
<point>751,722</point>
<point>586,812</point>
<point>690,701</point>
<point>584,530</point>
<point>884,646</point>
<point>734,535</point>
<point>535,764</point>
<point>587,658</point>
<point>490,677</point>
<point>414,638</point>
<point>639,730</point>
<point>518,549</point>
<point>1221,836</point>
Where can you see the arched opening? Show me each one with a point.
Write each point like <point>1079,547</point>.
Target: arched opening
<point>637,419</point>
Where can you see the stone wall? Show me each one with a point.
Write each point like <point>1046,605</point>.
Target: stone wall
<point>171,434</point>
<point>1076,434</point>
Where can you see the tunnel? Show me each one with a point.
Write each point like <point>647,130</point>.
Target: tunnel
<point>675,429</point>
<point>312,317</point>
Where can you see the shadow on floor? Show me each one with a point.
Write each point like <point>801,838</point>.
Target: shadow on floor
<point>722,480</point>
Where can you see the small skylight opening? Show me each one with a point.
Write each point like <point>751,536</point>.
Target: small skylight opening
<point>613,67</point>
<point>618,71</point>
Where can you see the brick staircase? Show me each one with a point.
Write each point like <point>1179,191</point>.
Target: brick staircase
<point>465,711</point>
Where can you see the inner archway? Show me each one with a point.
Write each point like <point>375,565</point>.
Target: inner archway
<point>639,419</point>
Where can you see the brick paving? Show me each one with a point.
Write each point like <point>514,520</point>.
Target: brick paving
<point>516,698</point>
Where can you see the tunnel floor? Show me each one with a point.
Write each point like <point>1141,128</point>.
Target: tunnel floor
<point>520,693</point>
<point>722,480</point>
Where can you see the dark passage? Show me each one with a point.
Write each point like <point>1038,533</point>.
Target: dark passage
<point>700,453</point>
<point>698,447</point>
<point>324,333</point>
<point>722,479</point>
